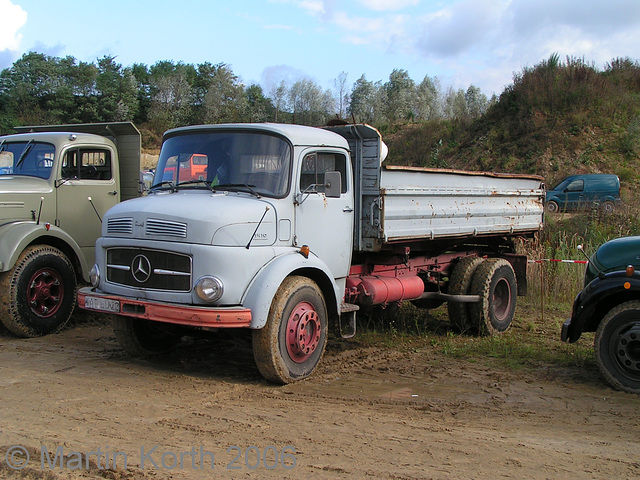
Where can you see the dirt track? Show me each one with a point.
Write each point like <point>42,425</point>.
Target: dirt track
<point>368,413</point>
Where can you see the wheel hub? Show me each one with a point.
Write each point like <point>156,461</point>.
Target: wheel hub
<point>501,299</point>
<point>628,348</point>
<point>303,332</point>
<point>46,291</point>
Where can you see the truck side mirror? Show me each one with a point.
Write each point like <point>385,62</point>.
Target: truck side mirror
<point>332,184</point>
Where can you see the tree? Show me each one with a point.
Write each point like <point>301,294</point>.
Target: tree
<point>476,101</point>
<point>310,105</point>
<point>28,86</point>
<point>142,78</point>
<point>116,90</point>
<point>259,107</point>
<point>361,107</point>
<point>340,84</point>
<point>279,94</point>
<point>171,95</point>
<point>427,106</point>
<point>455,104</point>
<point>400,95</point>
<point>224,101</point>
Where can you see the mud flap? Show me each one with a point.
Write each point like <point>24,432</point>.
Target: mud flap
<point>347,320</point>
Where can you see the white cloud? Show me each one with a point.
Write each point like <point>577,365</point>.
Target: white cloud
<point>13,19</point>
<point>387,5</point>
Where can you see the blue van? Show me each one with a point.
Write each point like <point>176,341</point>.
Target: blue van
<point>582,191</point>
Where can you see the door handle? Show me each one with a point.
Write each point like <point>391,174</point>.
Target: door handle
<point>347,209</point>
<point>115,192</point>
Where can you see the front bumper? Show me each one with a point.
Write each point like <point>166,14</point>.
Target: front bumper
<point>193,316</point>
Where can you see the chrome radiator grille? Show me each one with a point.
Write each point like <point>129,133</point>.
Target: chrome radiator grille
<point>149,269</point>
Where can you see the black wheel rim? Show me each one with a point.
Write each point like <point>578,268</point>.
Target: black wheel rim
<point>626,348</point>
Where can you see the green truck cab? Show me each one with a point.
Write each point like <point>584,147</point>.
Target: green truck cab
<point>56,183</point>
<point>609,305</point>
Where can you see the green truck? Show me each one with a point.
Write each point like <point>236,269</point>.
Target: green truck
<point>609,304</point>
<point>56,183</point>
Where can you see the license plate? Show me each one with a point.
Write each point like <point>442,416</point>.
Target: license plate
<point>103,304</point>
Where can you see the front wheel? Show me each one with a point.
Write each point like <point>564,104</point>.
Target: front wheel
<point>617,347</point>
<point>289,347</point>
<point>495,282</point>
<point>38,294</point>
<point>553,207</point>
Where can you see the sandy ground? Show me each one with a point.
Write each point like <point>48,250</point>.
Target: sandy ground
<point>389,413</point>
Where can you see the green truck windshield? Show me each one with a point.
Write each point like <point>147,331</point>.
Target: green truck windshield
<point>256,160</point>
<point>33,159</point>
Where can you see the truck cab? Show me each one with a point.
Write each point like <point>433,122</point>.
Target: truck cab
<point>56,183</point>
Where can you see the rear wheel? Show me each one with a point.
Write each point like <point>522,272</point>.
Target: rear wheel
<point>460,284</point>
<point>38,295</point>
<point>552,207</point>
<point>291,344</point>
<point>607,207</point>
<point>495,282</point>
<point>617,347</point>
<point>143,338</point>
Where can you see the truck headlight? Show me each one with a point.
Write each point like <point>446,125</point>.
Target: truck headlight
<point>209,289</point>
<point>94,275</point>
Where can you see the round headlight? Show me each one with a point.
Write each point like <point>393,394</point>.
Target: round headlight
<point>94,275</point>
<point>209,289</point>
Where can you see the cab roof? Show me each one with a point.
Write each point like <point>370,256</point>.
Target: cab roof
<point>298,135</point>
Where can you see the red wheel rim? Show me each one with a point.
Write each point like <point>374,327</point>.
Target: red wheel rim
<point>502,299</point>
<point>303,332</point>
<point>45,292</point>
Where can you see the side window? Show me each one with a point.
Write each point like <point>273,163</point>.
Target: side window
<point>87,164</point>
<point>575,186</point>
<point>315,165</point>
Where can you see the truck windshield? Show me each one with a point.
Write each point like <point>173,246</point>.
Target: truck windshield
<point>33,159</point>
<point>258,161</point>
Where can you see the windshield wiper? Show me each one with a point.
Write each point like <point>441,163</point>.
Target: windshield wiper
<point>163,184</point>
<point>235,186</point>
<point>27,149</point>
<point>191,182</point>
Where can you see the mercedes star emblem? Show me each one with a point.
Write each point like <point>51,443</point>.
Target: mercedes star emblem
<point>141,268</point>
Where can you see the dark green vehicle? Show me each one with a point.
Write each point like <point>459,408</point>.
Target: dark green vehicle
<point>609,305</point>
<point>577,192</point>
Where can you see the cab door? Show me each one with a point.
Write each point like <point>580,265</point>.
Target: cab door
<point>324,223</point>
<point>574,192</point>
<point>86,189</point>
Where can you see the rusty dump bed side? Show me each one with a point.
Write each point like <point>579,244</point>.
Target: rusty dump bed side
<point>431,203</point>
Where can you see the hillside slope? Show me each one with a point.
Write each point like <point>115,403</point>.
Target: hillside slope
<point>557,118</point>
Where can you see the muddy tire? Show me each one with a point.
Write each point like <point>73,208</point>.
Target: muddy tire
<point>460,284</point>
<point>38,295</point>
<point>552,207</point>
<point>495,282</point>
<point>289,347</point>
<point>617,347</point>
<point>144,338</point>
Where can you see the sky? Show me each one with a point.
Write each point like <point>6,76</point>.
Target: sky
<point>461,42</point>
